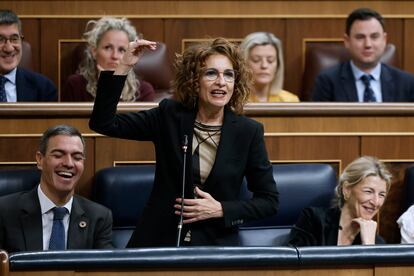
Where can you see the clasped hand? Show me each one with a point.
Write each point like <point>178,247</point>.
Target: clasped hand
<point>367,230</point>
<point>202,208</point>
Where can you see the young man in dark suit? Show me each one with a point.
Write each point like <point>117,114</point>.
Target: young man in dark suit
<point>364,78</point>
<point>30,220</point>
<point>16,83</point>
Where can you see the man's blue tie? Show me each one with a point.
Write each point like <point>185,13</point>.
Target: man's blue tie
<point>57,238</point>
<point>3,97</point>
<point>368,92</point>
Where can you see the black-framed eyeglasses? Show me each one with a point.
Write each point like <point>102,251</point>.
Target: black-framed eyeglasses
<point>212,74</point>
<point>14,39</point>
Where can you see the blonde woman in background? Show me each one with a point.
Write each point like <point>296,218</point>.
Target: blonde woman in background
<point>108,39</point>
<point>264,55</point>
<point>361,192</point>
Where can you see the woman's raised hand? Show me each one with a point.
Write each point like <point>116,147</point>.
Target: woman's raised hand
<point>133,54</point>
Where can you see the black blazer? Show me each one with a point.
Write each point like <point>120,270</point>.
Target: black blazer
<point>34,87</point>
<point>337,84</point>
<point>241,153</point>
<point>21,223</point>
<point>319,226</point>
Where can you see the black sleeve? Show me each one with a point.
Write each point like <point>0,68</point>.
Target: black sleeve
<point>379,240</point>
<point>323,89</point>
<point>303,232</point>
<point>259,175</point>
<point>141,125</point>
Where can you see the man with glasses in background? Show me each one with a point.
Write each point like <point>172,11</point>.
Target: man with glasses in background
<point>16,83</point>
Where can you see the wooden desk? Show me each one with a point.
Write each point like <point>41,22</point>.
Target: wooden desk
<point>294,132</point>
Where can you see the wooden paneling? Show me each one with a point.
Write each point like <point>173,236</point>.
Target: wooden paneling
<point>31,32</point>
<point>395,35</point>
<point>396,147</point>
<point>43,33</point>
<point>398,152</point>
<point>52,31</point>
<point>19,149</point>
<point>36,126</point>
<point>408,63</point>
<point>393,271</point>
<point>197,8</point>
<point>122,150</point>
<point>178,29</point>
<point>4,263</point>
<point>332,124</point>
<point>395,203</point>
<point>298,30</point>
<point>84,186</point>
<point>312,148</point>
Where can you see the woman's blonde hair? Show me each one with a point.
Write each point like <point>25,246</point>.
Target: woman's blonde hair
<point>261,39</point>
<point>192,62</point>
<point>95,31</point>
<point>357,171</point>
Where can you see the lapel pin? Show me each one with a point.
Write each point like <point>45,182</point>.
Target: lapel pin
<point>82,224</point>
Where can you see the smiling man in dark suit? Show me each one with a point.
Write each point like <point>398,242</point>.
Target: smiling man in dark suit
<point>364,78</point>
<point>30,221</point>
<point>18,84</point>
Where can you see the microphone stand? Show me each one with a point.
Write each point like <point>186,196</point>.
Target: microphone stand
<point>180,223</point>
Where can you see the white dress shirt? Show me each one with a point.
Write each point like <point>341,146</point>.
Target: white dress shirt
<point>406,224</point>
<point>46,207</point>
<point>10,86</point>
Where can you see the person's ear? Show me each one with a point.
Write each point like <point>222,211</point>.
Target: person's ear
<point>346,191</point>
<point>39,159</point>
<point>346,41</point>
<point>93,52</point>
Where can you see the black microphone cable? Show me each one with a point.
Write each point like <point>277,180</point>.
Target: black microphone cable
<point>180,223</point>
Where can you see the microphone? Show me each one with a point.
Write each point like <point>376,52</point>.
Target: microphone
<point>180,223</point>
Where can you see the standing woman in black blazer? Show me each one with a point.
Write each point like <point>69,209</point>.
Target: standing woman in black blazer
<point>211,86</point>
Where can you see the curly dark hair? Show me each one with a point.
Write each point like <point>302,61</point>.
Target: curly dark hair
<point>192,62</point>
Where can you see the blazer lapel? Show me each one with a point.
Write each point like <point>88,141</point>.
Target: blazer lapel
<point>21,86</point>
<point>348,83</point>
<point>31,220</point>
<point>78,227</point>
<point>387,85</point>
<point>332,226</point>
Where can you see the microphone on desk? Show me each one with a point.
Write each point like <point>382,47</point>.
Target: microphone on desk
<point>180,223</point>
